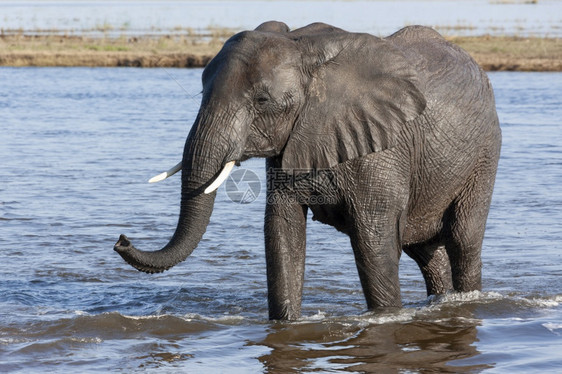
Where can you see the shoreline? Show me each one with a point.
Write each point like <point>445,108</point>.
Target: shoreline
<point>493,53</point>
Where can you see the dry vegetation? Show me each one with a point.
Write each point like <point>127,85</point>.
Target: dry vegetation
<point>188,49</point>
<point>182,50</point>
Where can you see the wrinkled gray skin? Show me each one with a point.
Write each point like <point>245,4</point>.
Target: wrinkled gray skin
<point>405,127</point>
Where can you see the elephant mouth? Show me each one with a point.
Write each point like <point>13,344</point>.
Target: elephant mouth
<point>225,172</point>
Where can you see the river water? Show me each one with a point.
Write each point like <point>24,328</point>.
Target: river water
<point>381,17</point>
<point>77,146</point>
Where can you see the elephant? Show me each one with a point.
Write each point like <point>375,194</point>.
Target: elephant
<point>393,141</point>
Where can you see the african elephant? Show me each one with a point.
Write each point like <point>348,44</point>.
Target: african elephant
<point>394,141</point>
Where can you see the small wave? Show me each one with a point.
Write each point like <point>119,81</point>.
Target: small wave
<point>189,317</point>
<point>319,316</point>
<point>425,314</point>
<point>542,302</point>
<point>12,340</point>
<point>463,297</point>
<point>83,325</point>
<point>226,319</point>
<point>189,321</point>
<point>457,308</point>
<point>55,344</point>
<point>403,315</point>
<point>454,306</point>
<point>490,297</point>
<point>555,328</point>
<point>145,318</point>
<point>86,340</point>
<point>368,318</point>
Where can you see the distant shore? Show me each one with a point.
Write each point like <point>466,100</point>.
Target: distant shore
<point>493,53</point>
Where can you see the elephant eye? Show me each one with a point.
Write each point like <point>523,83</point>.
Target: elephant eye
<point>262,99</point>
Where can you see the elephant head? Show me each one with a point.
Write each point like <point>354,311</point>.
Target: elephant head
<point>315,97</point>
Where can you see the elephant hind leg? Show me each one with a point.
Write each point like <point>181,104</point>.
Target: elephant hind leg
<point>465,223</point>
<point>433,262</point>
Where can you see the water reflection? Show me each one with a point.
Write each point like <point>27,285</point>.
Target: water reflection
<point>361,346</point>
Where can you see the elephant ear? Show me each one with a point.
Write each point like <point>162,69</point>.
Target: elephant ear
<point>362,93</point>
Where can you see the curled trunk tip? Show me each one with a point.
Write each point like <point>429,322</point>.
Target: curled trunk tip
<point>134,257</point>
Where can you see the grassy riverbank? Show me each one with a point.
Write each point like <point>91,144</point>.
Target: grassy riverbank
<point>496,53</point>
<point>188,50</point>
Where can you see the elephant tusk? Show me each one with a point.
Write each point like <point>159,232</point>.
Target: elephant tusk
<point>221,178</point>
<point>166,174</point>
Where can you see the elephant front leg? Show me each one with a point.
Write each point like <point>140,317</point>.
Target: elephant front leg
<point>285,247</point>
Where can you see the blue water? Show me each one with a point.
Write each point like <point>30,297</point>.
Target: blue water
<point>77,146</point>
<point>381,17</point>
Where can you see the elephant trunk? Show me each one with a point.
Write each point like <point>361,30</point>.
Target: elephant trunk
<point>193,221</point>
<point>201,164</point>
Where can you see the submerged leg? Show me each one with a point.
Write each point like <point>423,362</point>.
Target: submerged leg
<point>377,261</point>
<point>433,262</point>
<point>285,250</point>
<point>464,230</point>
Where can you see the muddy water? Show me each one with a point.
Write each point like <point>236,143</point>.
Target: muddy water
<point>77,146</point>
